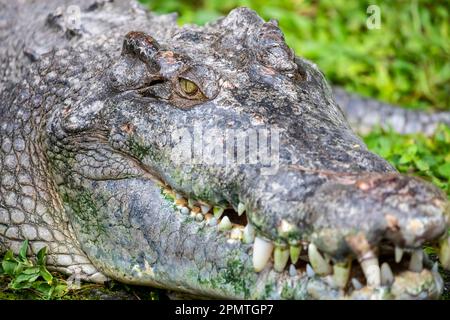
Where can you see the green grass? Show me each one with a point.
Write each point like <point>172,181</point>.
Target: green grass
<point>428,157</point>
<point>27,278</point>
<point>405,62</point>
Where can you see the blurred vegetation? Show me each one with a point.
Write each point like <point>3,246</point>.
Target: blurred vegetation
<point>428,157</point>
<point>406,62</point>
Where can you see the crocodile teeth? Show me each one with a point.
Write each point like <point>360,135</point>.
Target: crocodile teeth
<point>178,196</point>
<point>212,222</point>
<point>241,209</point>
<point>319,264</point>
<point>236,234</point>
<point>294,252</point>
<point>387,277</point>
<point>356,284</point>
<point>249,234</point>
<point>292,270</point>
<point>371,269</point>
<point>415,264</point>
<point>341,273</point>
<point>398,254</point>
<point>437,278</point>
<point>262,250</point>
<point>309,271</point>
<point>185,210</point>
<point>444,253</point>
<point>280,257</point>
<point>225,224</point>
<point>205,208</point>
<point>199,217</point>
<point>218,211</point>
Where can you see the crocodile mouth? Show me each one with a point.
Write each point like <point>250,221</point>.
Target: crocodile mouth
<point>384,272</point>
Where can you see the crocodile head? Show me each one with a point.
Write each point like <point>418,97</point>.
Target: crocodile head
<point>214,161</point>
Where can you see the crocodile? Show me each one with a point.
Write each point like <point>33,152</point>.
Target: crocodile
<point>209,160</point>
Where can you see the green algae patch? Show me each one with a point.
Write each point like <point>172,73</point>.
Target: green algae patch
<point>234,278</point>
<point>137,149</point>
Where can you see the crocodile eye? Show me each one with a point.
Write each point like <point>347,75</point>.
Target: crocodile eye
<point>188,87</point>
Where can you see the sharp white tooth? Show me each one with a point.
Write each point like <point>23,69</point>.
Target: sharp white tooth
<point>212,222</point>
<point>309,271</point>
<point>236,233</point>
<point>439,283</point>
<point>225,224</point>
<point>437,278</point>
<point>218,211</point>
<point>241,209</point>
<point>415,264</point>
<point>249,234</point>
<point>398,254</point>
<point>292,270</point>
<point>371,269</point>
<point>199,217</point>
<point>280,257</point>
<point>205,208</point>
<point>294,252</point>
<point>444,253</point>
<point>356,284</point>
<point>318,262</point>
<point>184,210</point>
<point>262,250</point>
<point>178,196</point>
<point>341,273</point>
<point>435,267</point>
<point>387,277</point>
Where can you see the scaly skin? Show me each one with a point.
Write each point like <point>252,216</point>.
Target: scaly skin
<point>92,116</point>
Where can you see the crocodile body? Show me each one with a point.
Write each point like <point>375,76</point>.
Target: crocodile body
<point>111,128</point>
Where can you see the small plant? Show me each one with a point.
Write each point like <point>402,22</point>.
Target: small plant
<point>428,157</point>
<point>26,275</point>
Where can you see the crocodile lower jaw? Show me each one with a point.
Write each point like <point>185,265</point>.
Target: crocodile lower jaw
<point>391,272</point>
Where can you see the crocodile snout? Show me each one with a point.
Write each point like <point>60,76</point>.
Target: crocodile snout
<point>373,218</point>
<point>402,210</point>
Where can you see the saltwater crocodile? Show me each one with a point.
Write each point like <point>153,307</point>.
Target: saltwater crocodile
<point>208,160</point>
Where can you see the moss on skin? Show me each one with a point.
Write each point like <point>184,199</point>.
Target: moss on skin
<point>234,276</point>
<point>85,209</point>
<point>137,149</point>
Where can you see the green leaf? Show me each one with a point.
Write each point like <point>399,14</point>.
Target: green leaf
<point>42,287</point>
<point>32,270</point>
<point>421,165</point>
<point>9,256</point>
<point>25,278</point>
<point>60,290</point>
<point>23,251</point>
<point>20,285</point>
<point>9,267</point>
<point>46,275</point>
<point>444,170</point>
<point>41,256</point>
